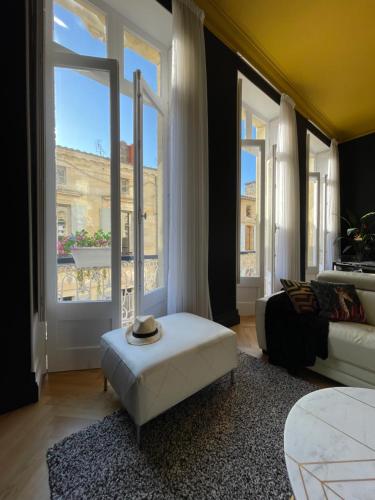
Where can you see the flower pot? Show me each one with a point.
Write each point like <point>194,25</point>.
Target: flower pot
<point>92,256</point>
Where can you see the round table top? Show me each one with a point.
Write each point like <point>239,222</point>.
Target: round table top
<point>329,444</point>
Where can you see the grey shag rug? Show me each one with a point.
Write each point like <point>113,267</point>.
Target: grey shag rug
<point>225,442</point>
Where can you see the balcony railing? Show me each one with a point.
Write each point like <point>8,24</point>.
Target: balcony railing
<point>248,263</point>
<point>94,283</point>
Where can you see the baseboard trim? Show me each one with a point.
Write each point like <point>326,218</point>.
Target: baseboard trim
<point>39,375</point>
<point>246,308</point>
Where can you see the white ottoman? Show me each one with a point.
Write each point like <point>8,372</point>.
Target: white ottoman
<point>149,379</point>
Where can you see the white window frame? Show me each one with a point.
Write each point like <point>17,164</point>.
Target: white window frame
<point>257,281</point>
<point>313,269</point>
<point>143,93</point>
<point>116,25</point>
<point>322,208</point>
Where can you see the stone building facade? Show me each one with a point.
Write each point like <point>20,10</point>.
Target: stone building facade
<point>83,196</point>
<point>248,216</point>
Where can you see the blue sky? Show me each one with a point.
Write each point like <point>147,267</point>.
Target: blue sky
<point>248,161</point>
<point>82,104</point>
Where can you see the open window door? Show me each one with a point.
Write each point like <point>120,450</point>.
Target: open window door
<point>149,199</point>
<point>82,236</point>
<point>251,213</point>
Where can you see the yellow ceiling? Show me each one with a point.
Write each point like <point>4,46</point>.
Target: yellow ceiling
<point>320,52</point>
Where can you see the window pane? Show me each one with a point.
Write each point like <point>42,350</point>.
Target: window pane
<point>83,201</point>
<point>252,127</point>
<point>152,198</point>
<point>80,27</point>
<point>313,222</point>
<point>249,256</point>
<point>311,163</point>
<point>139,54</point>
<point>259,128</point>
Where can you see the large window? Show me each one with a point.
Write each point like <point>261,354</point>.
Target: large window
<point>313,219</point>
<point>253,131</point>
<point>82,114</point>
<point>317,169</point>
<point>257,131</point>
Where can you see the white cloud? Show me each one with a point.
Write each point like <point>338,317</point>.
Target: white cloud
<point>61,23</point>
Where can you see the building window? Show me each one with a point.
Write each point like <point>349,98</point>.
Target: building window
<point>63,220</point>
<point>249,238</point>
<point>124,186</point>
<point>248,211</point>
<point>126,232</point>
<point>61,175</point>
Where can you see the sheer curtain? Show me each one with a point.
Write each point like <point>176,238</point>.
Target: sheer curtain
<point>287,212</point>
<point>332,250</point>
<point>188,227</point>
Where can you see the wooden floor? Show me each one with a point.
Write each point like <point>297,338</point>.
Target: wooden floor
<point>70,401</point>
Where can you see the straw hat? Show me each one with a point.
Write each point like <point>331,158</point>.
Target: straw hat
<point>144,330</point>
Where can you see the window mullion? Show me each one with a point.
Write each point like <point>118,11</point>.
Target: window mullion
<point>115,42</point>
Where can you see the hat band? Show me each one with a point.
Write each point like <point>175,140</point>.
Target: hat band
<point>144,335</point>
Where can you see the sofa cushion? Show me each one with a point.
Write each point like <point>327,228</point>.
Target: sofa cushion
<point>361,281</point>
<point>301,296</point>
<point>368,301</point>
<point>352,342</point>
<point>339,302</point>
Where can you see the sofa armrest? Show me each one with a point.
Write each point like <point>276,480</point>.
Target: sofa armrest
<point>260,315</point>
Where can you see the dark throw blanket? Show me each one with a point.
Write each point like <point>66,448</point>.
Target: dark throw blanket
<point>294,340</point>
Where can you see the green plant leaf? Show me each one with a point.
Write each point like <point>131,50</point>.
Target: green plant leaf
<point>367,216</point>
<point>352,231</point>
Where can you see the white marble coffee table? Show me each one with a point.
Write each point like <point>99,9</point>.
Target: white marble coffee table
<point>329,444</point>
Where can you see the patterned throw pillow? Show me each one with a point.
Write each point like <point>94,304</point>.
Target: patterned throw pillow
<point>301,296</point>
<point>339,302</point>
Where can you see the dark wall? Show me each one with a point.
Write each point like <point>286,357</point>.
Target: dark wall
<point>301,137</point>
<point>17,382</point>
<point>357,175</point>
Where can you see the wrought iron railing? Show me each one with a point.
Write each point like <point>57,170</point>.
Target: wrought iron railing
<point>94,283</point>
<point>248,263</point>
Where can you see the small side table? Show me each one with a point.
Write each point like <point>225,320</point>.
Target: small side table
<point>329,445</point>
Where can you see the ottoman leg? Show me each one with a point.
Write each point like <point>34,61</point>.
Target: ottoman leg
<point>232,377</point>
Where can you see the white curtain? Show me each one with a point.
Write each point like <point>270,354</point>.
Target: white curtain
<point>332,246</point>
<point>287,203</point>
<point>188,229</point>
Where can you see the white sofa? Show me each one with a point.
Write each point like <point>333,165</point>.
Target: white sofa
<point>351,346</point>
